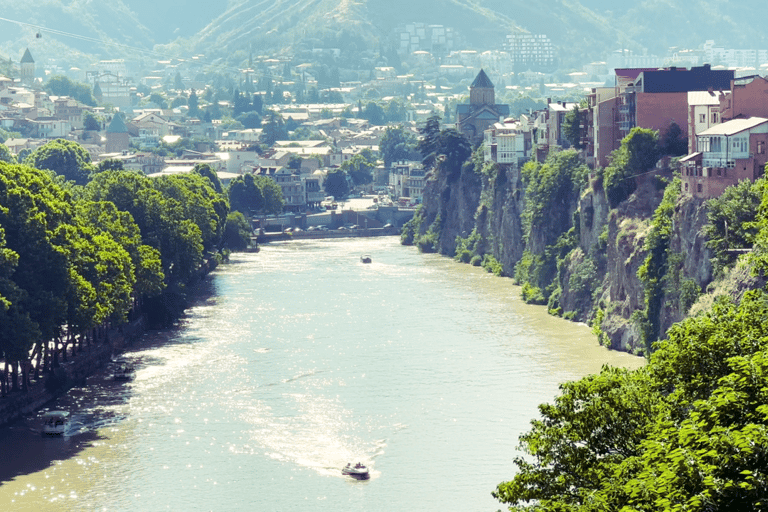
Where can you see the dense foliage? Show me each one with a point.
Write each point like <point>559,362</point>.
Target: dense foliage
<point>638,153</point>
<point>75,258</point>
<point>251,194</point>
<point>688,432</point>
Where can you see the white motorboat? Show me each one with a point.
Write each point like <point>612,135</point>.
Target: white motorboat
<point>55,422</point>
<point>358,471</point>
<point>365,258</point>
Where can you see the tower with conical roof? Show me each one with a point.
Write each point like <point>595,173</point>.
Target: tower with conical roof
<point>118,138</point>
<point>482,112</point>
<point>481,92</point>
<point>27,68</point>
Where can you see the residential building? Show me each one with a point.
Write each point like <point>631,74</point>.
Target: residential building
<point>507,143</point>
<point>703,113</point>
<point>407,179</point>
<point>293,188</point>
<point>729,152</point>
<point>746,97</point>
<point>530,51</point>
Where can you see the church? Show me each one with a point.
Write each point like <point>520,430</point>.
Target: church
<point>482,112</point>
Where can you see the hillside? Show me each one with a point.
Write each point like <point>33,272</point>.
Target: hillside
<point>581,29</point>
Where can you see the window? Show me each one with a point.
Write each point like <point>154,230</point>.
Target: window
<point>702,118</point>
<point>698,187</point>
<point>715,118</point>
<point>760,147</point>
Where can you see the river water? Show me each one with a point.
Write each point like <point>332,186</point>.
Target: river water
<point>298,360</point>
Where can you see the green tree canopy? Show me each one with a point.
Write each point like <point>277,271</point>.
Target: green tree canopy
<point>64,157</point>
<point>336,184</point>
<point>360,169</point>
<point>59,85</point>
<point>687,432</point>
<point>397,144</point>
<point>251,194</point>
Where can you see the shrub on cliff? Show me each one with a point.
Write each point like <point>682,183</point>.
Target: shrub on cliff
<point>638,153</point>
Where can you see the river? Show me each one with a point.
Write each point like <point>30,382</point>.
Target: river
<point>297,360</point>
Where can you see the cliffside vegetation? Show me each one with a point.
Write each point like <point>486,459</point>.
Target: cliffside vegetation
<point>674,278</point>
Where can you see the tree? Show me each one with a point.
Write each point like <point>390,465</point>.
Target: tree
<point>250,120</point>
<point>66,158</point>
<point>91,122</point>
<point>456,149</point>
<point>59,85</point>
<point>192,102</point>
<point>359,169</point>
<point>687,432</point>
<point>575,125</point>
<point>251,194</point>
<point>273,129</point>
<point>207,172</point>
<point>639,152</point>
<point>374,114</point>
<point>336,184</point>
<point>237,233</point>
<point>6,155</point>
<point>673,142</point>
<point>397,144</point>
<point>294,163</point>
<point>110,164</point>
<point>429,142</point>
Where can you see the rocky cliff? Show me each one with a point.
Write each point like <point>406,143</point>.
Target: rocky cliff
<point>595,250</point>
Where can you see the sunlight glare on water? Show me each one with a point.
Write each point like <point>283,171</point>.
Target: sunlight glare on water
<point>297,360</point>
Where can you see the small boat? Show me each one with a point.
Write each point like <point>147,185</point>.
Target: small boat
<point>55,423</point>
<point>365,258</point>
<point>358,471</point>
<point>124,373</point>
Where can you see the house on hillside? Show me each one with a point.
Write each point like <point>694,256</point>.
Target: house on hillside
<point>728,153</point>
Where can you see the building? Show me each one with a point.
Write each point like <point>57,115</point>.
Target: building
<point>746,97</point>
<point>648,98</point>
<point>407,179</point>
<point>27,68</point>
<point>729,152</point>
<point>482,112</point>
<point>703,113</point>
<point>118,138</point>
<point>530,51</point>
<point>507,143</point>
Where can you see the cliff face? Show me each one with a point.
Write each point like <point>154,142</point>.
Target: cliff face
<point>597,280</point>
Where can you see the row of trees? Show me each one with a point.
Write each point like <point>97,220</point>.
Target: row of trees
<point>83,247</point>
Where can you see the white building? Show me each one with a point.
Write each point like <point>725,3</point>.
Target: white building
<point>703,113</point>
<point>507,143</point>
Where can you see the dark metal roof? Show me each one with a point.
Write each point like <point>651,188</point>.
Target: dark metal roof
<point>482,81</point>
<point>27,58</point>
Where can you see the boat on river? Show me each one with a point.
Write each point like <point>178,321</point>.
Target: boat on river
<point>55,423</point>
<point>358,471</point>
<point>365,258</point>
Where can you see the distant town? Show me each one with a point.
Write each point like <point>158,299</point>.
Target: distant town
<point>296,122</point>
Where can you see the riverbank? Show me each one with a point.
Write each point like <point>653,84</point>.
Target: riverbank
<point>74,371</point>
<point>80,363</point>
